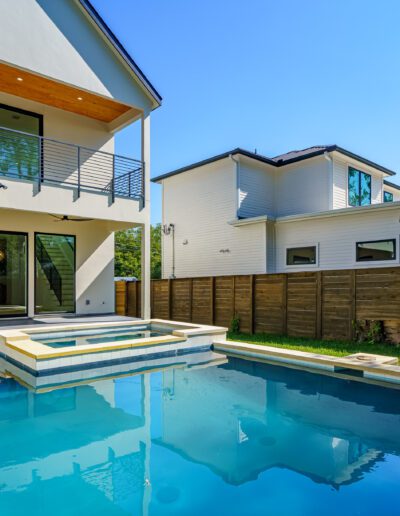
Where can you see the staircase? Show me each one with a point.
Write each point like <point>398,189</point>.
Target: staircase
<point>55,262</point>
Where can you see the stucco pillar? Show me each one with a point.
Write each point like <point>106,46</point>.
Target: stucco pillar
<point>146,271</point>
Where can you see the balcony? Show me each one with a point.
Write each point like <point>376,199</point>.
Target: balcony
<point>47,161</point>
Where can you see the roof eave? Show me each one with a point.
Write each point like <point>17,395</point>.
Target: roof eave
<point>119,48</point>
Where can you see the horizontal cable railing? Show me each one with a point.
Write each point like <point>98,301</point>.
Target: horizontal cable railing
<point>44,160</point>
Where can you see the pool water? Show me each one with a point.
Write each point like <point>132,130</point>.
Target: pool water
<point>243,438</point>
<point>94,336</point>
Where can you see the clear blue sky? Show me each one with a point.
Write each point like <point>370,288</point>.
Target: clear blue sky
<point>266,74</point>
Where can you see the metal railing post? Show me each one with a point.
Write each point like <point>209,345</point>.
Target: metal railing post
<point>143,184</point>
<point>113,180</point>
<point>40,162</point>
<point>79,172</point>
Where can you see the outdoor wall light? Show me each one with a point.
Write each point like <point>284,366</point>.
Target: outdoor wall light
<point>3,187</point>
<point>224,251</point>
<point>2,255</point>
<point>185,242</point>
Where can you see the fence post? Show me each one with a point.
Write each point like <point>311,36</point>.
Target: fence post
<point>285,304</point>
<point>169,299</point>
<point>137,299</point>
<point>190,299</point>
<point>251,304</point>
<point>318,312</point>
<point>212,299</point>
<point>353,300</point>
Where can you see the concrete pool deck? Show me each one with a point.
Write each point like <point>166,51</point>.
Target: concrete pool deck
<point>17,344</point>
<point>375,367</point>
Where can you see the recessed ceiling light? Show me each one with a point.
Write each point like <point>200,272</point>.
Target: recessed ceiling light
<point>20,79</point>
<point>80,98</point>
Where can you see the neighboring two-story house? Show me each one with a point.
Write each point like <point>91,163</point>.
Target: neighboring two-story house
<point>66,87</point>
<point>242,213</point>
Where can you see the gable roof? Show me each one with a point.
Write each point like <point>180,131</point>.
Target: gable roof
<point>281,160</point>
<point>119,48</point>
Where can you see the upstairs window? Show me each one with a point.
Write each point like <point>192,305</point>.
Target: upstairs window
<point>387,197</point>
<point>301,255</point>
<point>376,251</point>
<point>359,188</point>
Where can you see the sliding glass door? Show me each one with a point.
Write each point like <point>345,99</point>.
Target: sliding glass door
<point>13,274</point>
<point>54,273</point>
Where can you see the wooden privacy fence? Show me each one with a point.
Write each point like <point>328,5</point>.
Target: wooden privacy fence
<point>321,304</point>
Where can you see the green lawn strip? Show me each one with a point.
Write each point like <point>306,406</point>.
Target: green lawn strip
<point>324,347</point>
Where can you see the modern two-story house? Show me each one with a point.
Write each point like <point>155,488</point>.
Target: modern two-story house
<point>242,213</point>
<point>67,86</point>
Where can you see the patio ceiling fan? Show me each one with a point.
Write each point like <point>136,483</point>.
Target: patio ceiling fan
<point>68,218</point>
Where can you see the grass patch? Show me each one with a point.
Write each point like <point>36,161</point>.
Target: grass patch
<point>324,347</point>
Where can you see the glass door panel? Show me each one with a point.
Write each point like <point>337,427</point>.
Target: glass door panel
<point>13,274</point>
<point>55,273</point>
<point>20,152</point>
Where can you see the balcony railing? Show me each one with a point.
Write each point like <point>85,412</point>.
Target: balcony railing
<point>44,160</point>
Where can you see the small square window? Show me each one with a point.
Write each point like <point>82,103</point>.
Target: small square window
<point>387,197</point>
<point>376,251</point>
<point>301,255</point>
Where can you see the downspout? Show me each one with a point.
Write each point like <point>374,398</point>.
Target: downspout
<point>328,157</point>
<point>237,183</point>
<point>172,226</point>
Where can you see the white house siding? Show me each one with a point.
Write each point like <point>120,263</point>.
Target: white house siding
<point>256,188</point>
<point>394,191</point>
<point>340,182</point>
<point>336,238</point>
<point>34,34</point>
<point>303,187</point>
<point>200,203</point>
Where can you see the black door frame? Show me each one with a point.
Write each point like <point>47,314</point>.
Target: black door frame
<point>35,269</point>
<point>26,235</point>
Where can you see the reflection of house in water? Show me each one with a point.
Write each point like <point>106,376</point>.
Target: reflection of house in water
<point>248,417</point>
<point>90,444</point>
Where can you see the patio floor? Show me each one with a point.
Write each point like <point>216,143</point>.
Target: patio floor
<point>62,319</point>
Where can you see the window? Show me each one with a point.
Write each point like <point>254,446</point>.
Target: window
<point>387,197</point>
<point>301,256</point>
<point>377,250</point>
<point>359,188</point>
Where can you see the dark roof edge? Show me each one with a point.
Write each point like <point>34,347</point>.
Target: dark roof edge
<point>364,160</point>
<point>393,185</point>
<point>98,20</point>
<point>211,160</point>
<point>274,163</point>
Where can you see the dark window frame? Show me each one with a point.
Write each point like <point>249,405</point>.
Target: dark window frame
<point>35,271</point>
<point>385,192</point>
<point>25,112</point>
<point>360,174</point>
<point>315,247</point>
<point>394,240</point>
<point>26,235</point>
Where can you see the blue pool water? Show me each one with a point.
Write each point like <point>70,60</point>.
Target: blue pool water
<point>240,439</point>
<point>95,336</point>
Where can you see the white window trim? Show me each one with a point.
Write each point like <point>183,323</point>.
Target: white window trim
<point>303,265</point>
<point>377,262</point>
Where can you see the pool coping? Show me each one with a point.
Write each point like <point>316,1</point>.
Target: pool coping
<point>20,341</point>
<point>383,368</point>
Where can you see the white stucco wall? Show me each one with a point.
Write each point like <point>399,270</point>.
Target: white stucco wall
<point>336,237</point>
<point>56,39</point>
<point>201,203</point>
<point>94,256</point>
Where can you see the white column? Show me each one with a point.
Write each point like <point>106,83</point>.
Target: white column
<point>146,271</point>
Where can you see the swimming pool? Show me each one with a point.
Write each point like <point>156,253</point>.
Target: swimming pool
<point>242,438</point>
<point>96,336</point>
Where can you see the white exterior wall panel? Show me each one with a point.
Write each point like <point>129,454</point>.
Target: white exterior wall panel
<point>256,189</point>
<point>336,238</point>
<point>200,203</point>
